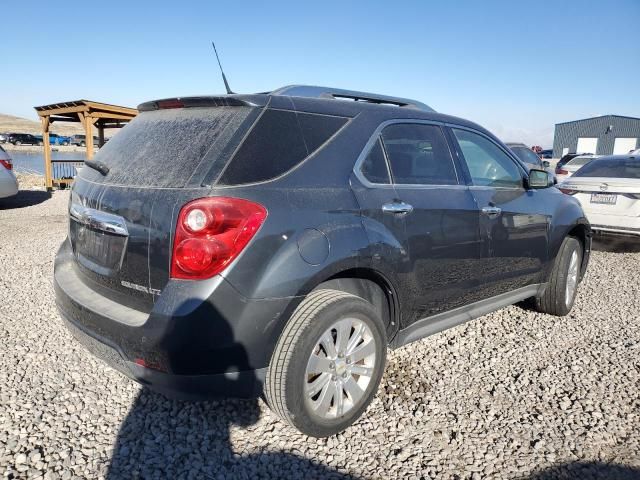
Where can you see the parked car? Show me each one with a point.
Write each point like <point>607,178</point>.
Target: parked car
<point>531,159</point>
<point>8,180</point>
<point>24,139</point>
<point>4,137</point>
<point>55,139</point>
<point>609,190</point>
<point>315,234</point>
<point>81,140</point>
<point>565,159</point>
<point>546,154</point>
<point>573,166</point>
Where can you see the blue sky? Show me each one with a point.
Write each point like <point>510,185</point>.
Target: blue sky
<point>517,68</point>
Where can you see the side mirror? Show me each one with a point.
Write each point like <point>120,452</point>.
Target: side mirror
<point>546,163</point>
<point>538,179</point>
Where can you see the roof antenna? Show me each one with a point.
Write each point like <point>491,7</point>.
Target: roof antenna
<point>226,84</point>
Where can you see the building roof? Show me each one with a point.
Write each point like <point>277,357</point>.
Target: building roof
<point>75,106</point>
<point>599,116</point>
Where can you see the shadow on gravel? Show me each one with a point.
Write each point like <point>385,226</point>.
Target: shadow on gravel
<point>587,471</point>
<point>24,198</point>
<point>615,244</point>
<point>164,438</point>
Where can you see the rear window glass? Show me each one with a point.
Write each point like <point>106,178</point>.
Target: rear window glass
<point>580,161</point>
<point>527,155</point>
<point>611,168</point>
<point>279,141</point>
<point>163,148</point>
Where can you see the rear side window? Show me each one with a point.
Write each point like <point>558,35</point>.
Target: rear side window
<point>280,140</point>
<point>163,148</point>
<point>419,154</point>
<point>374,167</point>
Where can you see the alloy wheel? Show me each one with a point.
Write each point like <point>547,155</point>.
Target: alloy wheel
<point>340,368</point>
<point>572,278</point>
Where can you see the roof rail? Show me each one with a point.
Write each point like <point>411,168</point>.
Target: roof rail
<point>340,94</point>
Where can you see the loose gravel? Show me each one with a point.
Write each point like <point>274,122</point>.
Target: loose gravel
<point>515,394</point>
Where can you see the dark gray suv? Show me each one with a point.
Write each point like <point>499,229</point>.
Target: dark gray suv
<point>277,244</point>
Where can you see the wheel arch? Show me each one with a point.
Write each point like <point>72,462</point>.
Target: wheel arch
<point>372,286</point>
<point>582,232</point>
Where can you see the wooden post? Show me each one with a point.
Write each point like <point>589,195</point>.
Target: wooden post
<point>100,134</point>
<point>46,145</point>
<point>88,128</point>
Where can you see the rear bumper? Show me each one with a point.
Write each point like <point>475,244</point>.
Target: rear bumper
<point>616,229</point>
<point>8,185</point>
<point>245,384</point>
<point>611,223</point>
<point>201,339</point>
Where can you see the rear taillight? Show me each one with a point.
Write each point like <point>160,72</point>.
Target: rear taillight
<point>561,171</point>
<point>6,164</point>
<point>210,233</point>
<point>568,191</point>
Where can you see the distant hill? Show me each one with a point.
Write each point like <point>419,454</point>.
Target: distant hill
<point>11,124</point>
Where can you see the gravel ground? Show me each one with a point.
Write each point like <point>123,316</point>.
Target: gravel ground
<point>515,394</point>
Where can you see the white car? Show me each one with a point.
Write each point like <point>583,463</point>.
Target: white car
<point>8,181</point>
<point>609,190</point>
<point>573,165</point>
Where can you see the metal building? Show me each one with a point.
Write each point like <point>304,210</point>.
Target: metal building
<point>605,135</point>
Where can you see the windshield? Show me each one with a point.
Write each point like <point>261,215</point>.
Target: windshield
<point>613,168</point>
<point>526,155</point>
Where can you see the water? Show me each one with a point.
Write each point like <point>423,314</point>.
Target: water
<point>34,161</point>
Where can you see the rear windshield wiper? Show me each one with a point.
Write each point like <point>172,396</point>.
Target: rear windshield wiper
<point>97,165</point>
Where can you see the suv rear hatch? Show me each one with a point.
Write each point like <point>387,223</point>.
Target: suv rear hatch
<point>121,221</point>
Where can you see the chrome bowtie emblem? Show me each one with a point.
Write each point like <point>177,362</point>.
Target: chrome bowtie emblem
<point>604,187</point>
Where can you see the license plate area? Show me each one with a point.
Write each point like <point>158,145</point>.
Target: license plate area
<point>97,250</point>
<point>604,198</point>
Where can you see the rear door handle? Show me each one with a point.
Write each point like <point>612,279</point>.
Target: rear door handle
<point>400,208</point>
<point>491,212</point>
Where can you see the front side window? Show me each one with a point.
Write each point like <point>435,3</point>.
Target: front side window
<point>487,163</point>
<point>418,154</point>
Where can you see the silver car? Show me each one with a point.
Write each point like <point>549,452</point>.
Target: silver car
<point>573,165</point>
<point>8,180</point>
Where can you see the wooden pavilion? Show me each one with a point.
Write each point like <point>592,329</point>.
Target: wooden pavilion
<point>89,115</point>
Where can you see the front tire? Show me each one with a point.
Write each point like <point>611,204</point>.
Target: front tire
<point>560,293</point>
<point>327,364</point>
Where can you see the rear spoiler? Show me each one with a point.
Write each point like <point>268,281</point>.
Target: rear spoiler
<point>205,101</point>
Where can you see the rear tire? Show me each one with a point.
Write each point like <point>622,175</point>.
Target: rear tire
<point>327,364</point>
<point>560,292</point>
